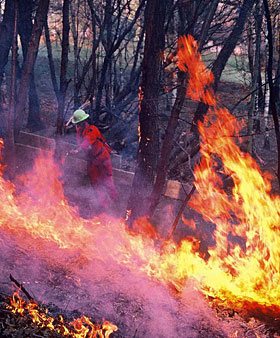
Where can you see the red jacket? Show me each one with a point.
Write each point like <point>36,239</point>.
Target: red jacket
<point>92,139</point>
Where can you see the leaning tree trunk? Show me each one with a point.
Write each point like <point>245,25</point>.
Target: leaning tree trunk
<point>29,62</point>
<point>63,81</point>
<point>225,53</point>
<point>206,24</point>
<point>149,132</point>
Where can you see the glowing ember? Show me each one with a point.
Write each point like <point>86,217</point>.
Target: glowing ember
<point>81,327</point>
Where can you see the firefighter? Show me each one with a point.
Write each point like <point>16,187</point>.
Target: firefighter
<point>99,167</point>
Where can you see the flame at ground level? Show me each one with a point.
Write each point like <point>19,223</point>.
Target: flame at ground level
<point>39,216</point>
<point>80,328</point>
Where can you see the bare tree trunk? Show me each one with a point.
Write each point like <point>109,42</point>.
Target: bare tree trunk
<point>149,133</point>
<point>28,66</point>
<point>277,80</point>
<point>75,33</point>
<point>257,68</point>
<point>93,83</point>
<point>249,142</point>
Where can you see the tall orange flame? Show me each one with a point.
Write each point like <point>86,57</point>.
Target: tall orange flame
<point>251,212</point>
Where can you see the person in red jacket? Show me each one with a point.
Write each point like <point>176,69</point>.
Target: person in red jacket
<point>99,168</point>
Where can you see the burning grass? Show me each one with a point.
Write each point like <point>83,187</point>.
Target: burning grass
<point>28,319</point>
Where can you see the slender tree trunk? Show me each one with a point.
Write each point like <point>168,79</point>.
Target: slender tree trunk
<point>93,83</point>
<point>63,67</point>
<point>28,66</point>
<point>270,82</point>
<point>254,62</point>
<point>134,73</point>
<point>226,51</point>
<point>261,95</point>
<point>108,47</point>
<point>75,32</point>
<point>257,66</point>
<point>10,153</point>
<point>206,24</point>
<point>51,61</point>
<point>168,144</point>
<point>109,37</point>
<point>63,81</point>
<point>251,53</point>
<point>277,80</point>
